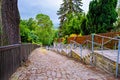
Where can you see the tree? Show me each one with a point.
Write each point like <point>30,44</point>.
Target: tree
<point>31,23</point>
<point>72,24</point>
<point>68,7</point>
<point>101,15</point>
<point>39,30</point>
<point>44,20</point>
<point>24,30</point>
<point>117,23</point>
<point>83,25</point>
<point>27,31</point>
<point>10,22</point>
<point>45,29</point>
<point>1,42</point>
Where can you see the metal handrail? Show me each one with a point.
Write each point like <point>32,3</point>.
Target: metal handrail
<point>79,43</point>
<point>106,37</point>
<point>103,43</point>
<point>115,38</point>
<point>75,42</point>
<point>102,47</point>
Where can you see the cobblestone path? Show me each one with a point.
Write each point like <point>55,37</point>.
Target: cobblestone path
<point>47,65</point>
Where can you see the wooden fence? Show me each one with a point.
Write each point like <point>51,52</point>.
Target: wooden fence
<point>12,56</point>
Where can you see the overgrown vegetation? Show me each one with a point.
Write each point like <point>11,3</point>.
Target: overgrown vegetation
<point>101,16</point>
<point>99,19</point>
<point>37,30</point>
<point>117,23</point>
<point>70,13</point>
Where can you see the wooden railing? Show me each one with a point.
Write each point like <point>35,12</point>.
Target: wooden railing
<point>12,56</point>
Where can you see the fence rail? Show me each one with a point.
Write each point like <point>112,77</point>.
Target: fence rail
<point>12,56</point>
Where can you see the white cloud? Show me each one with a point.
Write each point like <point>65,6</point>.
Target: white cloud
<point>30,8</point>
<point>48,3</point>
<point>85,6</point>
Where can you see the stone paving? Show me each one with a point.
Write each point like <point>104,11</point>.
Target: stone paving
<point>48,65</point>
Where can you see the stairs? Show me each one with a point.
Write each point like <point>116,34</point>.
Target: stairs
<point>77,54</point>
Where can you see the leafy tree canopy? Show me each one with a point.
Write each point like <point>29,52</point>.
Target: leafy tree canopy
<point>101,16</point>
<point>69,13</point>
<point>72,24</point>
<point>38,30</point>
<point>68,7</point>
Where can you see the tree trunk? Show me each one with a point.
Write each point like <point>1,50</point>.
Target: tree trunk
<point>10,22</point>
<point>0,25</point>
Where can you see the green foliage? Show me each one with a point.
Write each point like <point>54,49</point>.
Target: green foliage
<point>39,30</point>
<point>72,24</point>
<point>44,29</point>
<point>70,13</point>
<point>101,16</point>
<point>27,32</point>
<point>117,23</point>
<point>67,8</point>
<point>84,27</point>
<point>44,21</point>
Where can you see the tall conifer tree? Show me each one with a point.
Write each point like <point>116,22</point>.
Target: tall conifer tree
<point>68,7</point>
<point>101,15</point>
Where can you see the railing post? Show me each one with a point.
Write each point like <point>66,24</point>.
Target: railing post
<point>61,46</point>
<point>115,46</point>
<point>117,64</point>
<point>54,45</point>
<point>66,48</point>
<point>57,46</point>
<point>102,47</point>
<point>81,51</point>
<point>91,59</point>
<point>74,46</point>
<point>71,47</point>
<point>87,45</point>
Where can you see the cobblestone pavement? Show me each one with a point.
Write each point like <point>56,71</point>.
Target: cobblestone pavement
<point>47,65</point>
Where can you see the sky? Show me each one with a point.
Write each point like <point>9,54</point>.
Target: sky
<point>30,8</point>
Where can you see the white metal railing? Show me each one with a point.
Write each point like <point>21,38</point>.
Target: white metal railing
<point>103,47</point>
<point>92,44</point>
